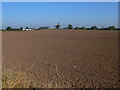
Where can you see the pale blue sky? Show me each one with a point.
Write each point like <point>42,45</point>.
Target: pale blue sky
<point>37,14</point>
<point>0,15</point>
<point>60,0</point>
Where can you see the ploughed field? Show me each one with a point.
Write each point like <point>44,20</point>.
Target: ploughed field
<point>63,58</point>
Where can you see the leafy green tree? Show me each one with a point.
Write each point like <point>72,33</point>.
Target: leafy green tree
<point>21,28</point>
<point>57,26</point>
<point>83,28</point>
<point>26,27</point>
<point>64,28</point>
<point>76,28</point>
<point>70,26</point>
<point>111,28</point>
<point>94,28</point>
<point>9,28</point>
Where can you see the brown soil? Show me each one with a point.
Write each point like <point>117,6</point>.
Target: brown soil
<point>63,58</point>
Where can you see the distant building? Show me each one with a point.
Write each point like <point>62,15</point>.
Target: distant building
<point>29,29</point>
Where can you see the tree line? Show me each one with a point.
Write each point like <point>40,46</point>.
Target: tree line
<point>14,29</point>
<point>84,28</point>
<point>70,26</point>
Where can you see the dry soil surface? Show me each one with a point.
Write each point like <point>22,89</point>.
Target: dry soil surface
<point>63,58</point>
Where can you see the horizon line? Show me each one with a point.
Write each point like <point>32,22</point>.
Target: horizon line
<point>61,27</point>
